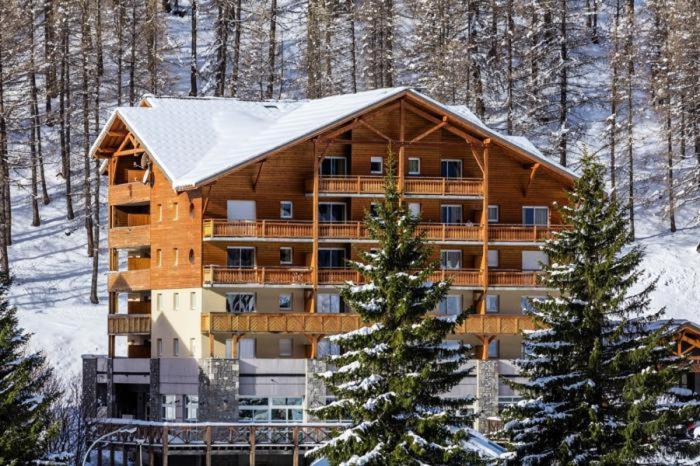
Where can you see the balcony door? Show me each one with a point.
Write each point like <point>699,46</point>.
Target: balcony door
<point>334,166</point>
<point>451,168</point>
<point>332,212</point>
<point>240,210</point>
<point>240,257</point>
<point>451,259</point>
<point>533,260</point>
<point>328,303</point>
<point>331,258</point>
<point>246,348</point>
<point>536,215</point>
<point>451,214</point>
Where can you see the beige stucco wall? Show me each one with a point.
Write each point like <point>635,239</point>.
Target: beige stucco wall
<point>184,323</point>
<point>266,299</point>
<point>267,345</point>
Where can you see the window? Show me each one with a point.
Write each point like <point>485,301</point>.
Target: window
<point>376,165</point>
<point>328,303</point>
<point>327,348</point>
<point>493,258</point>
<point>331,258</point>
<point>526,304</point>
<point>160,212</point>
<point>493,214</point>
<point>240,302</point>
<point>176,211</point>
<point>285,302</point>
<point>169,405</point>
<point>533,260</point>
<point>240,257</point>
<point>493,349</point>
<point>228,351</point>
<point>263,409</point>
<point>450,168</point>
<point>176,347</point>
<point>176,301</point>
<point>413,166</point>
<point>159,347</point>
<point>240,210</point>
<point>286,256</point>
<point>333,166</point>
<point>176,256</point>
<point>191,258</point>
<point>374,210</point>
<point>192,346</point>
<point>193,300</point>
<point>492,303</point>
<point>451,305</point>
<point>286,209</point>
<point>159,257</point>
<point>159,301</point>
<point>451,214</point>
<point>285,346</point>
<point>331,212</point>
<point>414,209</point>
<point>191,407</point>
<point>451,259</point>
<point>535,216</point>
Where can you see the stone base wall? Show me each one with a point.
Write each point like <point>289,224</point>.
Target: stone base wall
<point>218,390</point>
<point>154,391</point>
<point>89,388</point>
<point>486,391</point>
<point>315,393</point>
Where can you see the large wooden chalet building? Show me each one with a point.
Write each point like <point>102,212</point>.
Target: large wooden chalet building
<point>230,223</point>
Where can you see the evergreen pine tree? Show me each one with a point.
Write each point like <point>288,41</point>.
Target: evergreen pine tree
<point>25,393</point>
<point>600,372</point>
<point>393,373</point>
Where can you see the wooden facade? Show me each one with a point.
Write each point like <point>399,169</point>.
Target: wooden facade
<point>182,240</point>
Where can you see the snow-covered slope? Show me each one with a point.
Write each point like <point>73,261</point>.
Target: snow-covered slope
<point>51,287</point>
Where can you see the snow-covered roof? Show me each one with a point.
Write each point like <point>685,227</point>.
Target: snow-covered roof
<point>195,140</point>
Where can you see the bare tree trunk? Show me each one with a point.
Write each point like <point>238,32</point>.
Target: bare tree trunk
<point>96,242</point>
<point>669,157</point>
<point>221,40</point>
<point>630,108</point>
<point>36,220</point>
<point>152,43</point>
<point>49,54</point>
<point>509,50</point>
<point>563,85</point>
<point>613,99</point>
<point>236,49</point>
<point>193,50</point>
<point>350,6</point>
<point>87,191</point>
<point>5,220</point>
<point>132,63</point>
<point>98,38</point>
<point>121,19</point>
<point>388,58</point>
<point>272,49</point>
<point>64,102</point>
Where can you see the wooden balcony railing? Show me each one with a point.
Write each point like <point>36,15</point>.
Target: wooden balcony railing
<point>129,193</point>
<point>302,276</point>
<point>521,233</point>
<point>130,237</point>
<point>129,280</point>
<point>262,229</point>
<point>467,187</point>
<point>128,324</point>
<point>257,276</point>
<point>515,278</point>
<point>330,324</point>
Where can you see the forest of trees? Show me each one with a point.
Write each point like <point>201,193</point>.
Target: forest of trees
<point>556,71</point>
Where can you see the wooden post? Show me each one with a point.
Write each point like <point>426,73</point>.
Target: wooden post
<point>211,342</point>
<point>208,440</point>
<point>314,213</point>
<point>111,454</point>
<point>402,137</point>
<point>151,456</point>
<point>251,457</point>
<point>125,460</point>
<point>165,446</point>
<point>99,456</point>
<point>485,228</point>
<point>295,459</point>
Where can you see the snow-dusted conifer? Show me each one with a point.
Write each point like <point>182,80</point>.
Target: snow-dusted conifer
<point>392,376</point>
<point>600,372</point>
<point>25,393</point>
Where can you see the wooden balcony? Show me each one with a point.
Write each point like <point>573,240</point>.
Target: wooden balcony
<point>130,237</point>
<point>299,276</point>
<point>341,231</point>
<point>135,192</point>
<point>459,277</point>
<point>128,324</point>
<point>129,281</point>
<point>499,233</point>
<point>330,324</point>
<point>514,279</point>
<point>371,186</point>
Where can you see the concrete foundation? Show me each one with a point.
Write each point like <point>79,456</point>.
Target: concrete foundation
<point>486,391</point>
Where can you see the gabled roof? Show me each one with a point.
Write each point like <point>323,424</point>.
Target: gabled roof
<point>196,140</point>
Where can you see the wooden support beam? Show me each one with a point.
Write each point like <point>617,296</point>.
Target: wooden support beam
<point>111,454</point>
<point>374,130</point>
<point>295,459</point>
<point>475,154</point>
<point>485,228</point>
<point>429,131</point>
<point>533,171</point>
<point>315,220</point>
<point>402,151</point>
<point>257,177</point>
<point>251,440</point>
<point>427,116</point>
<point>211,344</point>
<point>207,435</point>
<point>121,153</point>
<point>397,143</point>
<point>165,446</point>
<point>117,134</point>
